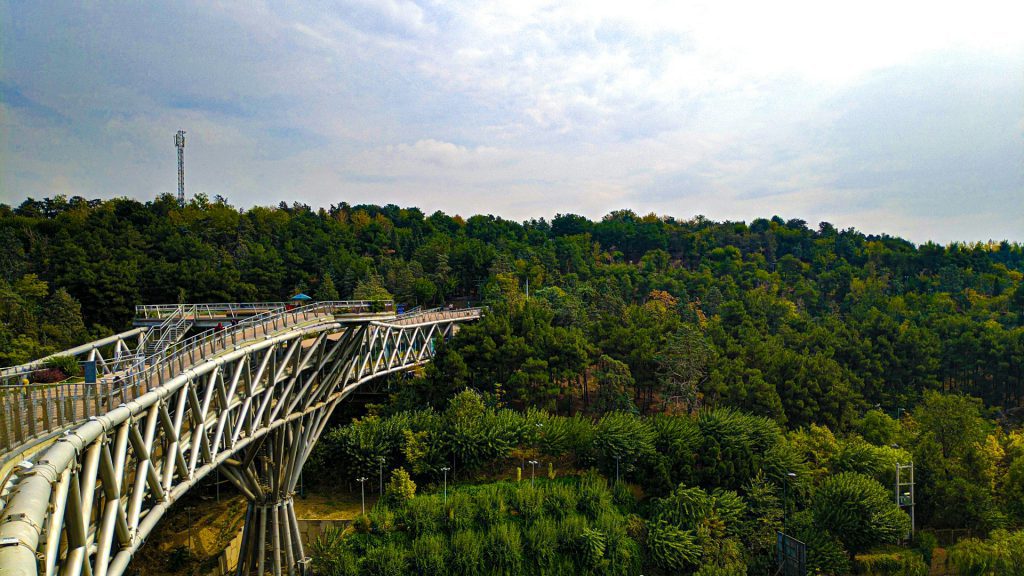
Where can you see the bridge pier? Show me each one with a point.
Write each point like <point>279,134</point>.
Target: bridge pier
<point>271,540</point>
<point>267,475</point>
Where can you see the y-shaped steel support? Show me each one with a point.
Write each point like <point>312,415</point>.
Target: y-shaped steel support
<point>268,475</point>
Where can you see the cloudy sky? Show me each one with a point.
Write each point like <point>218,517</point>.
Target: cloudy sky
<point>900,117</point>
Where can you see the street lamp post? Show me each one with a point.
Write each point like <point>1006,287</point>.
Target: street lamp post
<point>617,469</point>
<point>785,498</point>
<point>189,510</point>
<point>381,474</point>
<point>533,470</point>
<point>362,489</point>
<point>445,470</point>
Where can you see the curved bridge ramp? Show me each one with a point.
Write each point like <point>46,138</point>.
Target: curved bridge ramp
<point>251,399</point>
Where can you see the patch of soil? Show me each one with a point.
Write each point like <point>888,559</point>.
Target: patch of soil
<point>189,539</point>
<point>331,504</point>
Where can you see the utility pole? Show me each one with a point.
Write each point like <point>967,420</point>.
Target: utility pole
<point>179,141</point>
<point>905,490</point>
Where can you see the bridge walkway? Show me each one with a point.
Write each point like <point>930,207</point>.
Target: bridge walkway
<point>34,413</point>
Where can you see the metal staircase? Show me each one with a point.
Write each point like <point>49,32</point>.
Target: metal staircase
<point>173,328</point>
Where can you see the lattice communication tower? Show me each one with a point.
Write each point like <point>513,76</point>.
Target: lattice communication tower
<point>179,141</point>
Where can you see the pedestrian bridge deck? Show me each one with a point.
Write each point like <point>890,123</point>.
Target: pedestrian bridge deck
<point>87,469</point>
<point>32,412</point>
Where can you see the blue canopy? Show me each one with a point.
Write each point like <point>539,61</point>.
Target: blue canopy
<point>301,296</point>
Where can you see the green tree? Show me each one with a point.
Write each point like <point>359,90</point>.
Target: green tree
<point>371,288</point>
<point>683,365</point>
<point>326,291</point>
<point>400,487</point>
<point>858,511</point>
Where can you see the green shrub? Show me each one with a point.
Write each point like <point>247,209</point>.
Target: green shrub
<point>382,518</point>
<point>623,497</point>
<point>559,499</point>
<point>591,547</point>
<point>478,435</point>
<point>733,447</point>
<point>625,436</point>
<point>491,506</point>
<point>570,528</point>
<point>461,511</point>
<point>722,557</point>
<point>359,446</point>
<point>894,563</point>
<point>877,427</point>
<point>430,555</point>
<point>68,365</point>
<point>362,523</point>
<point>387,559</point>
<point>730,508</point>
<point>424,515</point>
<point>504,549</point>
<point>594,497</point>
<point>825,553</point>
<point>467,553</point>
<point>623,553</point>
<point>541,545</point>
<point>925,542</point>
<point>566,435</point>
<point>676,441</point>
<point>671,548</point>
<point>1000,555</point>
<point>529,502</point>
<point>685,507</point>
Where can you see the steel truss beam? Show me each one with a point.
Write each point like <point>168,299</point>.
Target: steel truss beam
<point>87,503</point>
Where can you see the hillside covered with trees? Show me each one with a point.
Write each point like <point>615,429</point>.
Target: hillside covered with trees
<point>760,307</point>
<point>707,360</point>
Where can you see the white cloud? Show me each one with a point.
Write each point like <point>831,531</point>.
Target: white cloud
<point>732,109</point>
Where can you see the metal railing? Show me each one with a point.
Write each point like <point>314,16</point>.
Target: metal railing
<point>35,410</point>
<point>123,354</point>
<point>184,353</point>
<point>434,315</point>
<point>210,310</point>
<point>413,312</point>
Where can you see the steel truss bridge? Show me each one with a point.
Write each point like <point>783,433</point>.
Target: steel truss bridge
<point>88,469</point>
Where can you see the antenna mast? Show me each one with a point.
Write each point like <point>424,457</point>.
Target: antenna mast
<point>179,141</point>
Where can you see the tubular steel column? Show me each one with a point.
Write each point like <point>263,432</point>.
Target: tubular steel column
<point>272,541</point>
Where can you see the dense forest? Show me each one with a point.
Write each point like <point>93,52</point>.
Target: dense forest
<point>708,360</point>
<point>794,323</point>
<point>702,493</point>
